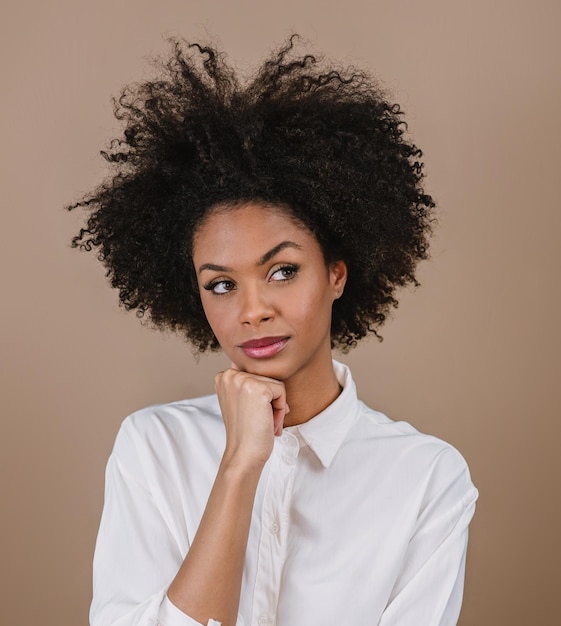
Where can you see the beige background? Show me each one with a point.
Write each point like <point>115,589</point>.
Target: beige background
<point>472,356</point>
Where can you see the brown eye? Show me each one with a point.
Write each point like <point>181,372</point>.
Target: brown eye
<point>286,272</point>
<point>220,287</point>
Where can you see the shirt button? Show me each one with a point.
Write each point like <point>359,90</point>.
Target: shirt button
<point>263,621</point>
<point>274,528</point>
<point>284,439</point>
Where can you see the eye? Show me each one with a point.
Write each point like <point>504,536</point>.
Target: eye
<point>286,272</point>
<point>220,287</point>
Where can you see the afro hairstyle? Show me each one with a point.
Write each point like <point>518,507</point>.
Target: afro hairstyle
<point>320,141</point>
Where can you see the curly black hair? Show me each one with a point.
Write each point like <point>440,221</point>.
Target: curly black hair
<point>322,142</point>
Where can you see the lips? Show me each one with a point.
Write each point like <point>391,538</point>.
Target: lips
<point>264,347</point>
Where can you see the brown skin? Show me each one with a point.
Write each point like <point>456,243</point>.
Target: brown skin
<point>260,274</point>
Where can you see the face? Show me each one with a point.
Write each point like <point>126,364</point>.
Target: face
<point>266,291</point>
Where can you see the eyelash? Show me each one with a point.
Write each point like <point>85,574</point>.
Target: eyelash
<point>291,268</point>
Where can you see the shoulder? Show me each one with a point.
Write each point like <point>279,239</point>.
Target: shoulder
<point>423,463</point>
<point>170,429</point>
<point>180,413</point>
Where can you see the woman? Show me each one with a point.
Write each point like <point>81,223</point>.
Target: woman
<point>275,221</point>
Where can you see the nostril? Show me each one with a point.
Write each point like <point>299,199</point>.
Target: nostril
<point>256,320</point>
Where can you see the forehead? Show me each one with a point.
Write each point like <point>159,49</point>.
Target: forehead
<point>250,229</point>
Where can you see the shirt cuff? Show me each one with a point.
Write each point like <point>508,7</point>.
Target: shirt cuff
<point>170,615</point>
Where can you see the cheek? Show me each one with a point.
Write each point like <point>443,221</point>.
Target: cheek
<point>222,330</point>
<point>215,315</point>
<point>312,309</point>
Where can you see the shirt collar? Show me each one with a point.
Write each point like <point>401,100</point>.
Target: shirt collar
<point>326,432</point>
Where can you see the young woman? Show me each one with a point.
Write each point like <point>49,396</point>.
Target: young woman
<point>273,220</point>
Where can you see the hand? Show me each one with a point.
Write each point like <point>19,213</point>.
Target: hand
<point>253,408</point>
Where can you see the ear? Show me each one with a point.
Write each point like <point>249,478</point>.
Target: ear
<point>338,277</point>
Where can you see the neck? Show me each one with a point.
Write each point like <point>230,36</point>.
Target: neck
<point>306,398</point>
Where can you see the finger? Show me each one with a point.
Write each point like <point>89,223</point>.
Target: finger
<point>278,420</point>
<point>280,409</point>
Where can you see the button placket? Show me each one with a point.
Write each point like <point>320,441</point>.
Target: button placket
<point>290,448</point>
<point>274,515</point>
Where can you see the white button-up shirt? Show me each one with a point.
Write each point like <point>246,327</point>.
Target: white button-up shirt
<point>358,520</point>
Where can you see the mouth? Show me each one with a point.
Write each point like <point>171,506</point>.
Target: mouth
<point>263,348</point>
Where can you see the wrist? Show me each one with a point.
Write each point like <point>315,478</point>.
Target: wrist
<point>238,467</point>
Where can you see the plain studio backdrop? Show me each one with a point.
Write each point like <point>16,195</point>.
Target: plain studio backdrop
<point>472,356</point>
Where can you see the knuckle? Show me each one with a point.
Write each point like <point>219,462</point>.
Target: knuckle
<point>250,385</point>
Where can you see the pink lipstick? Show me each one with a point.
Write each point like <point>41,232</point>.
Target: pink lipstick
<point>263,348</point>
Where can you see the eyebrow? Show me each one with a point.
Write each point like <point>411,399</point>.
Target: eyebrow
<point>266,257</point>
<point>274,251</point>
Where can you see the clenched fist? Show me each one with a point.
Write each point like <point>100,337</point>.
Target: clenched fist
<point>253,409</point>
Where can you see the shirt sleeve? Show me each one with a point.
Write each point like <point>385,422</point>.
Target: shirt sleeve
<point>136,557</point>
<point>429,588</point>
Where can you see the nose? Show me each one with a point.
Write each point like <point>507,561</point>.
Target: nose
<point>255,307</point>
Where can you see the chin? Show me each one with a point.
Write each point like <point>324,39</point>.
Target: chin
<point>271,368</point>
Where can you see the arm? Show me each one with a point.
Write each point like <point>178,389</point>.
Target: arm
<point>208,583</point>
<point>429,588</point>
<point>125,591</point>
<point>137,554</point>
<point>209,580</point>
